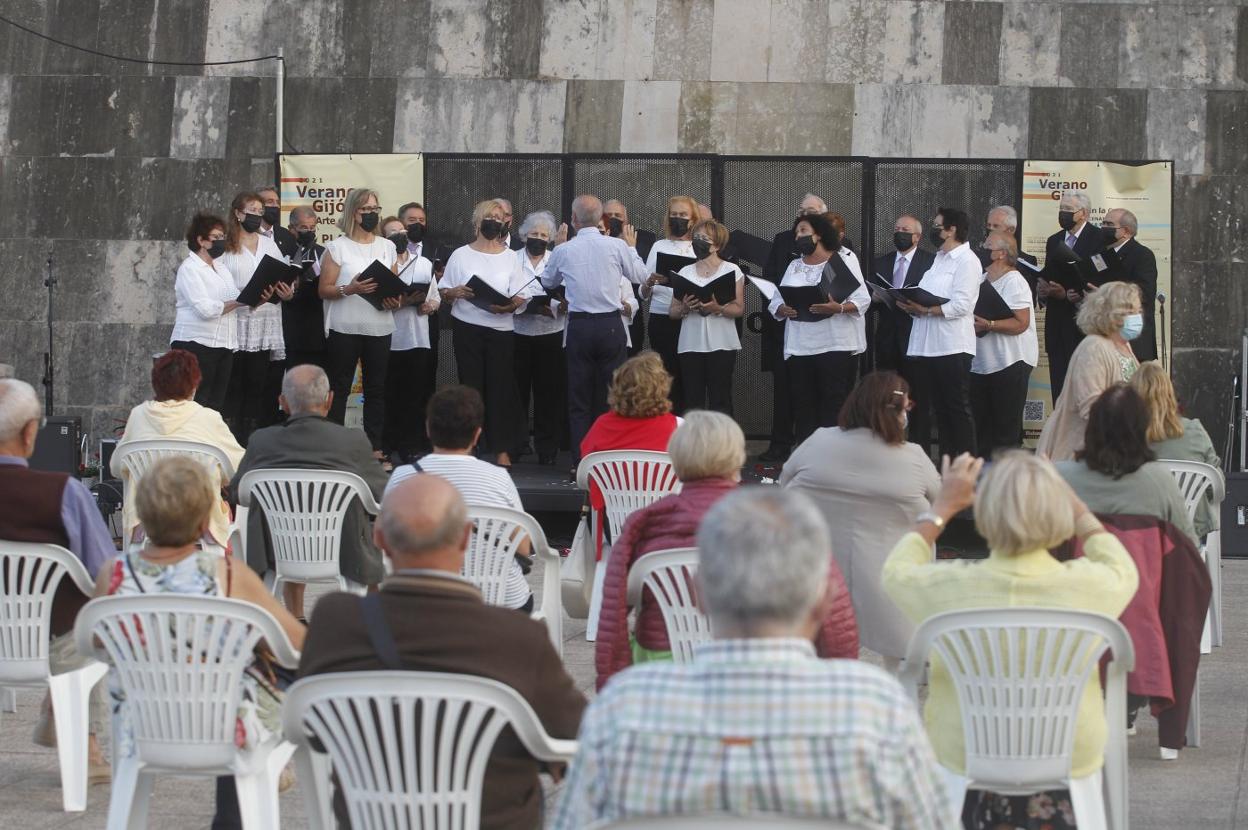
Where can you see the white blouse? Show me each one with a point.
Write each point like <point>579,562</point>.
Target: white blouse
<point>411,328</point>
<point>837,333</point>
<point>661,295</point>
<point>259,329</point>
<point>500,271</point>
<point>354,314</point>
<point>535,325</point>
<point>712,333</point>
<point>996,350</point>
<point>201,291</point>
<point>955,274</point>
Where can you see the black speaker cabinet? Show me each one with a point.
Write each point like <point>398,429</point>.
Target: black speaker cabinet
<point>1235,516</point>
<point>59,446</point>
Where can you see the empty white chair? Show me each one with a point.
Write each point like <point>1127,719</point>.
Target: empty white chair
<point>669,576</point>
<point>409,748</point>
<point>179,661</point>
<point>30,575</point>
<point>1198,482</point>
<point>497,534</point>
<point>1019,674</point>
<point>757,821</point>
<point>305,512</point>
<point>134,458</point>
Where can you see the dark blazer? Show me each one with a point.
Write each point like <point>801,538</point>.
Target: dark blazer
<point>440,624</point>
<point>1061,313</point>
<point>310,442</point>
<point>286,242</point>
<point>892,332</point>
<point>303,318</point>
<point>778,260</point>
<point>1139,265</point>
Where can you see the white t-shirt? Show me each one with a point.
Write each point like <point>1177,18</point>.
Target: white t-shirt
<point>995,350</point>
<point>480,483</point>
<point>535,325</point>
<point>661,295</point>
<point>354,314</point>
<point>956,275</point>
<point>711,333</point>
<point>201,291</point>
<point>500,271</point>
<point>837,333</point>
<point>259,329</point>
<point>411,328</point>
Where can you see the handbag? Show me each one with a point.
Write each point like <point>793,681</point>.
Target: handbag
<point>577,576</point>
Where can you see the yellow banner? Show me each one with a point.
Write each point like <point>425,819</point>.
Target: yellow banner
<point>1144,189</point>
<point>321,182</point>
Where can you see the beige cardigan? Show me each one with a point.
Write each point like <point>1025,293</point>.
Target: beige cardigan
<point>1094,367</point>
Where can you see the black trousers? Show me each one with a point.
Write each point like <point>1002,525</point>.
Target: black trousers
<point>1061,336</point>
<point>244,399</point>
<point>410,379</point>
<point>819,385</point>
<point>486,361</point>
<point>270,408</point>
<point>215,367</point>
<point>945,382</point>
<point>301,357</point>
<point>782,406</point>
<point>920,431</point>
<point>664,334</point>
<point>997,402</point>
<point>708,379</point>
<point>596,348</point>
<point>343,352</point>
<point>542,381</point>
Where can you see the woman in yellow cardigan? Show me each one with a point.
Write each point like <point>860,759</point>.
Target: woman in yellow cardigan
<point>1023,508</point>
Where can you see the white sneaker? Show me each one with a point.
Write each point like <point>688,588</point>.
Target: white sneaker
<point>1168,754</point>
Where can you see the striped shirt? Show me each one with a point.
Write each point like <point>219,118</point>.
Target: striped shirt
<point>480,483</point>
<point>753,727</point>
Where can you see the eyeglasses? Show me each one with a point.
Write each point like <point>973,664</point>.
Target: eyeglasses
<point>370,209</point>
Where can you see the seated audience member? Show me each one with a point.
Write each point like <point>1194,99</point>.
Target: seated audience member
<point>173,413</point>
<point>707,452</point>
<point>1172,437</point>
<point>55,509</point>
<point>871,493</point>
<point>174,501</point>
<point>308,440</point>
<point>1116,473</point>
<point>455,418</point>
<point>1022,509</point>
<point>756,724</point>
<point>436,621</point>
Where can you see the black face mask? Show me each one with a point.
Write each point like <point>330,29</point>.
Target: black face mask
<point>535,246</point>
<point>702,249</point>
<point>903,241</point>
<point>305,238</point>
<point>369,221</point>
<point>985,256</point>
<point>804,245</point>
<point>679,225</point>
<point>250,223</point>
<point>217,248</point>
<point>399,240</point>
<point>1109,236</point>
<point>615,225</point>
<point>491,228</point>
<point>272,215</point>
<point>415,232</point>
<point>935,236</point>
<point>1066,219</point>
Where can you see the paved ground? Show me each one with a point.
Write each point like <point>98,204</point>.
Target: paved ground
<point>1207,788</point>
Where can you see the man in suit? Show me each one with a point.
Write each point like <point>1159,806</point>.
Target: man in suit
<point>1139,266</point>
<point>303,317</point>
<point>615,214</point>
<point>511,240</point>
<point>308,440</point>
<point>1004,218</point>
<point>427,617</point>
<point>270,222</point>
<point>1061,334</point>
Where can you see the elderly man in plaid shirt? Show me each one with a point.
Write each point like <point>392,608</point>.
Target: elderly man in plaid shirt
<point>756,724</point>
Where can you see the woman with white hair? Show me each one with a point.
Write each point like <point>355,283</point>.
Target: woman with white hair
<point>541,370</point>
<point>707,453</point>
<point>1111,318</point>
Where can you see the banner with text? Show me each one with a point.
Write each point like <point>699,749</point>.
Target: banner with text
<point>321,182</point>
<point>1143,189</point>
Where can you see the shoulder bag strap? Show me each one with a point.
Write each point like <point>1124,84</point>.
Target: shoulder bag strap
<point>378,632</point>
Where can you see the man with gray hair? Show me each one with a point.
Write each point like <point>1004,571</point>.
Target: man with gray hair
<point>590,266</point>
<point>308,440</point>
<point>760,725</point>
<point>1139,266</point>
<point>1004,218</point>
<point>1076,240</point>
<point>427,617</point>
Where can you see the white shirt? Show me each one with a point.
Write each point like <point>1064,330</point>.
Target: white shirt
<point>353,314</point>
<point>500,271</point>
<point>996,350</point>
<point>480,483</point>
<point>954,274</point>
<point>629,306</point>
<point>411,328</point>
<point>589,266</point>
<point>259,329</point>
<point>713,333</point>
<point>537,324</point>
<point>661,295</point>
<point>837,333</point>
<point>201,291</point>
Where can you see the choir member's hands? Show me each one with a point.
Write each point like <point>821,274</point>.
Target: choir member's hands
<point>787,311</point>
<point>1089,288</point>
<point>510,307</point>
<point>265,295</point>
<point>957,485</point>
<point>629,235</point>
<point>546,310</point>
<point>361,286</point>
<point>1050,290</point>
<point>231,305</point>
<point>981,325</point>
<point>392,303</point>
<point>562,235</point>
<point>426,308</point>
<point>1073,296</point>
<point>285,291</point>
<point>827,309</point>
<point>656,279</point>
<point>912,308</point>
<point>563,306</point>
<point>459,292</point>
<point>709,307</point>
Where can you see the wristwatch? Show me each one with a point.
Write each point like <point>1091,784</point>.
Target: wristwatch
<point>929,516</point>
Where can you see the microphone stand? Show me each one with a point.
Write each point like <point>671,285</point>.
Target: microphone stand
<point>48,369</point>
<point>1161,307</point>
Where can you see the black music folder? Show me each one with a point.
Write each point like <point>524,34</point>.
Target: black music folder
<point>722,289</point>
<point>801,297</point>
<point>1077,275</point>
<point>913,293</point>
<point>536,304</point>
<point>749,249</point>
<point>991,305</point>
<point>270,271</point>
<point>388,285</point>
<point>485,295</point>
<point>668,265</point>
<point>838,281</point>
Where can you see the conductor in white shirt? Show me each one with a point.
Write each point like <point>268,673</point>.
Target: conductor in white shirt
<point>942,338</point>
<point>590,266</point>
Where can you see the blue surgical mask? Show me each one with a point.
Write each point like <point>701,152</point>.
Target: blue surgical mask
<point>1132,326</point>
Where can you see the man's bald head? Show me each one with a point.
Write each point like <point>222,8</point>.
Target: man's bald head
<point>586,211</point>
<point>305,391</point>
<point>424,524</point>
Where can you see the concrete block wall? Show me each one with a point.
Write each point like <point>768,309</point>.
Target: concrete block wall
<point>102,162</point>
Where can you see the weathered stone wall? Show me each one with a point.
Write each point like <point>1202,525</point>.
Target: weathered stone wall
<point>103,161</point>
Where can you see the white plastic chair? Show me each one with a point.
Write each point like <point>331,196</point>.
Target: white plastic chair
<point>669,575</point>
<point>410,748</point>
<point>134,458</point>
<point>1019,674</point>
<point>1199,482</point>
<point>497,533</point>
<point>714,821</point>
<point>628,480</point>
<point>179,660</point>
<point>305,511</point>
<point>30,574</point>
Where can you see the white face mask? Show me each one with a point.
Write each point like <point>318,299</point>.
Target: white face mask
<point>905,419</point>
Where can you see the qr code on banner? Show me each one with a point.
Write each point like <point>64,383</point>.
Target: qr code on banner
<point>1033,411</point>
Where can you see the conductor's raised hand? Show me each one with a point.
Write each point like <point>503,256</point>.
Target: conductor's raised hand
<point>629,235</point>
<point>562,234</point>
